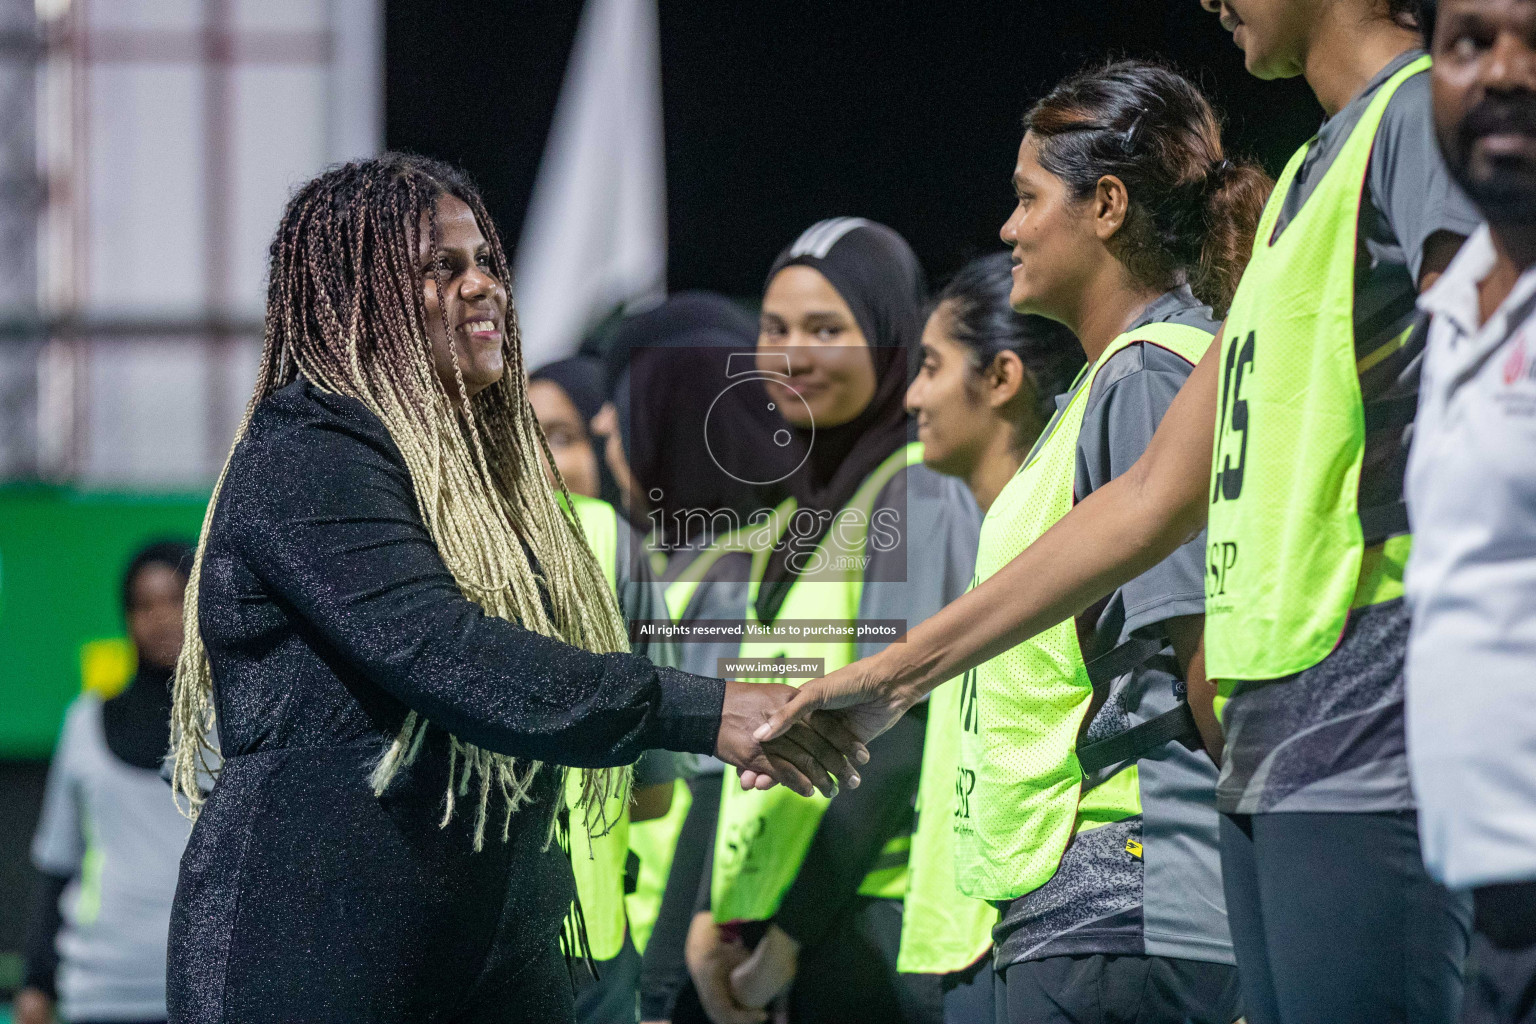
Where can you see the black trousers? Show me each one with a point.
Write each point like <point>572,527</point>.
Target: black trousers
<point>1501,971</point>
<point>1102,989</point>
<point>850,976</point>
<point>611,997</point>
<point>1335,920</point>
<point>969,995</point>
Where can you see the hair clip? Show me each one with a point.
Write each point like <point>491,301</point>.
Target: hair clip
<point>1128,140</point>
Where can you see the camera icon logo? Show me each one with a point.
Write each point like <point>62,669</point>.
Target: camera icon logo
<point>747,370</point>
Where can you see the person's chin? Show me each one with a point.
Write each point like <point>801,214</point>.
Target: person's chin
<point>936,457</point>
<point>490,372</point>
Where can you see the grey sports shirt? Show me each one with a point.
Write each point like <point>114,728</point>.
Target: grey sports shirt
<point>1151,884</point>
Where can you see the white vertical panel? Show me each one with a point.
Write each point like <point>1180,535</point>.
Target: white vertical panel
<point>279,15</point>
<point>305,90</point>
<point>595,237</point>
<point>278,143</point>
<point>356,87</point>
<point>144,169</point>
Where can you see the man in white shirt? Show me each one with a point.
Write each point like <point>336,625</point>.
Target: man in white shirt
<point>1471,672</point>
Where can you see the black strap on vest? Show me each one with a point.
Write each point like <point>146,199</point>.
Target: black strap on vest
<point>1378,522</point>
<point>1113,664</point>
<point>1139,740</point>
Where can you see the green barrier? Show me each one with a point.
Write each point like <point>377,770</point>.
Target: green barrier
<point>62,555</point>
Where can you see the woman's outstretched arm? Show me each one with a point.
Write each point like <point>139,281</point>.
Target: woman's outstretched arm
<point>1114,535</point>
<point>329,523</point>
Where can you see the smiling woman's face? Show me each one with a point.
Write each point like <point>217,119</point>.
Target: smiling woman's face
<point>830,365</point>
<point>474,301</point>
<point>1271,33</point>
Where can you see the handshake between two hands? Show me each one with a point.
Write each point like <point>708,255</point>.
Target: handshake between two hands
<point>811,739</point>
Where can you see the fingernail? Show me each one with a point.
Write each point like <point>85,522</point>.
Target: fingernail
<point>853,781</point>
<point>862,756</point>
<point>762,732</point>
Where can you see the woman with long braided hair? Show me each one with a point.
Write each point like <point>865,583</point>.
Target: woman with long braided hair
<point>398,633</point>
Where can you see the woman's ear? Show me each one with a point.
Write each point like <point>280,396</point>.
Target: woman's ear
<point>1005,379</point>
<point>1111,202</point>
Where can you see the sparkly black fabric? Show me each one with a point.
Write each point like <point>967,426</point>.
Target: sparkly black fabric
<point>328,614</point>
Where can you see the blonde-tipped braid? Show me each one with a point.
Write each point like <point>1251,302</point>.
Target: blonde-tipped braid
<point>346,308</point>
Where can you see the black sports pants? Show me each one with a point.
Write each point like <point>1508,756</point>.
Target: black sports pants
<point>1501,972</point>
<point>1102,989</point>
<point>1335,920</point>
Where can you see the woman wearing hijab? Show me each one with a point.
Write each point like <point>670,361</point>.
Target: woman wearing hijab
<point>816,889</point>
<point>670,397</point>
<point>565,396</point>
<point>693,449</point>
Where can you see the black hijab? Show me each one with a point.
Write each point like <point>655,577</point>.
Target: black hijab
<point>696,444</point>
<point>878,276</point>
<point>581,378</point>
<point>137,722</point>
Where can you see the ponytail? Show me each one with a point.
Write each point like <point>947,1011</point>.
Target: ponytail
<point>1235,197</point>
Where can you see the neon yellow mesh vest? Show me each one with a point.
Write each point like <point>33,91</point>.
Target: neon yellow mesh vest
<point>681,589</point>
<point>942,930</point>
<point>654,842</point>
<point>1018,784</point>
<point>1286,547</point>
<point>762,837</point>
<point>598,863</point>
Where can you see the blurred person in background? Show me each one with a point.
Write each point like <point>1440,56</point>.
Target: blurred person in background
<point>566,395</point>
<point>805,898</point>
<point>693,454</point>
<point>410,633</point>
<point>985,390</point>
<point>110,839</point>
<point>1471,580</point>
<point>674,426</point>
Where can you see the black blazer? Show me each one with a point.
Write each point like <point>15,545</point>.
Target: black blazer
<point>328,615</point>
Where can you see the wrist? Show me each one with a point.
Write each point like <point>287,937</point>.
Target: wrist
<point>781,941</point>
<point>900,672</point>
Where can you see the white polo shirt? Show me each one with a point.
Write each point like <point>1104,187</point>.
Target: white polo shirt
<point>1471,673</point>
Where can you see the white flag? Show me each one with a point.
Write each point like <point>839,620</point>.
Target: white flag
<point>595,236</point>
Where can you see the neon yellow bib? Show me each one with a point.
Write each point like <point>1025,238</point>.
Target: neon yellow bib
<point>655,843</point>
<point>598,862</point>
<point>762,837</point>
<point>1018,784</point>
<point>1285,542</point>
<point>942,930</point>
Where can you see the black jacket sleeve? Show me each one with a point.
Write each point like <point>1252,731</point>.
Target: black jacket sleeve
<point>330,525</point>
<point>858,823</point>
<point>41,949</point>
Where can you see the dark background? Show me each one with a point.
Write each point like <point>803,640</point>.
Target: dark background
<point>780,113</point>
